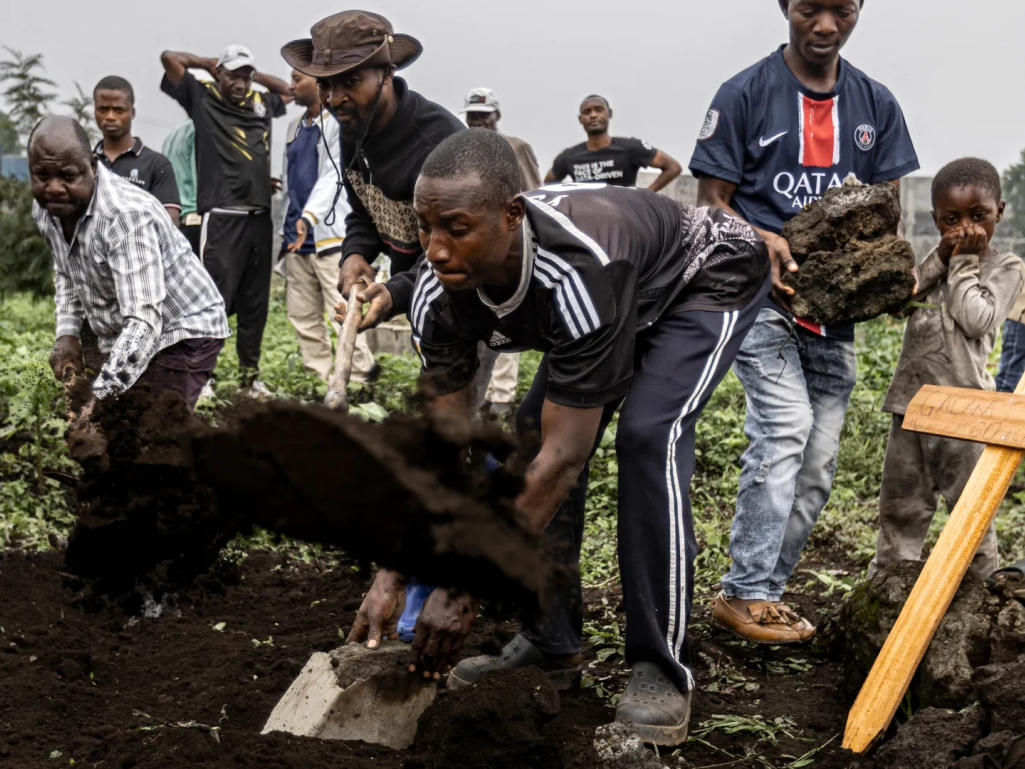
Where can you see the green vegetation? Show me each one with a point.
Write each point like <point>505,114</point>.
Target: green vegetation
<point>32,454</point>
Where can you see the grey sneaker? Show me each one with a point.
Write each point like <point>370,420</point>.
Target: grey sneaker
<point>653,707</point>
<point>564,672</point>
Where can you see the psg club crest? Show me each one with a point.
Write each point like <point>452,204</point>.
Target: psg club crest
<point>865,137</point>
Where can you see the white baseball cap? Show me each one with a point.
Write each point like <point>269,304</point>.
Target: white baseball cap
<point>480,100</point>
<point>235,56</point>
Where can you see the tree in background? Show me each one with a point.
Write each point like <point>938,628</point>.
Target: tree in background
<point>25,89</point>
<point>1013,183</point>
<point>24,256</point>
<point>81,106</point>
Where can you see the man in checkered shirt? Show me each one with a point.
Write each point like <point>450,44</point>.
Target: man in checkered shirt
<point>120,263</point>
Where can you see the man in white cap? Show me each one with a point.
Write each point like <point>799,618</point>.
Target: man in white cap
<point>233,183</point>
<point>481,109</point>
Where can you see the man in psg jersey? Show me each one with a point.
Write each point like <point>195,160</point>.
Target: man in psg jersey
<point>609,159</point>
<point>775,138</point>
<point>633,300</point>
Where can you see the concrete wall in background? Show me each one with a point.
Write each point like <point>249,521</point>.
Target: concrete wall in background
<point>14,165</point>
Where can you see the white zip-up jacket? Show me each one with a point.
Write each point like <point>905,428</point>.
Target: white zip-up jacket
<point>327,237</point>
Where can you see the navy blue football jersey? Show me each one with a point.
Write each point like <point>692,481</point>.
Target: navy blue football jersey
<point>784,145</point>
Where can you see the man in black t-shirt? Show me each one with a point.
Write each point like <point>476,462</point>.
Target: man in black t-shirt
<point>124,154</point>
<point>607,159</point>
<point>233,185</point>
<point>632,299</point>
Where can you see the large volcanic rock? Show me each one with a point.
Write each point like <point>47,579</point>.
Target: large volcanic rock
<point>853,265</point>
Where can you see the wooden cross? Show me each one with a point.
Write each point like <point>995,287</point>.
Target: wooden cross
<point>998,420</point>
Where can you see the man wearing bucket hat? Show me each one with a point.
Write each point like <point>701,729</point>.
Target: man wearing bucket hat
<point>387,132</point>
<point>233,185</point>
<point>775,138</point>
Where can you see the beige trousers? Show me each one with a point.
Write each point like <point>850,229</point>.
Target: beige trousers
<point>311,290</point>
<point>502,387</point>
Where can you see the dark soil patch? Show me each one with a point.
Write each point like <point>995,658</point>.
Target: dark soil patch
<point>109,688</point>
<point>101,684</point>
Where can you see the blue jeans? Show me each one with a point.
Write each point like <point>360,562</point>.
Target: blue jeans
<point>1012,356</point>
<point>797,385</point>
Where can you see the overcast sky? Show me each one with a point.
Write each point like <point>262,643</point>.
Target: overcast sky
<point>955,67</point>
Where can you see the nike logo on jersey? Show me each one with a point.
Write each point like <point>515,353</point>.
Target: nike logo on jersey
<point>763,142</point>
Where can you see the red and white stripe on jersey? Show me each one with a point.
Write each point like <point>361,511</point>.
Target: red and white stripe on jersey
<point>820,131</point>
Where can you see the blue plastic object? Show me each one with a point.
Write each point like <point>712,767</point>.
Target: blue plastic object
<point>416,594</point>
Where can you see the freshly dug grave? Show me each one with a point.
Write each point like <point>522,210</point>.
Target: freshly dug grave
<point>161,494</point>
<point>85,679</point>
<point>853,266</point>
<point>975,664</point>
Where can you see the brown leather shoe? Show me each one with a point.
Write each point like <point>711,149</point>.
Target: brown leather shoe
<point>767,622</point>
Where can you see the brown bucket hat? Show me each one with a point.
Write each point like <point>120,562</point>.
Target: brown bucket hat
<point>350,39</point>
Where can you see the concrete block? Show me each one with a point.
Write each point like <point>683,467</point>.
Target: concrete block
<point>354,693</point>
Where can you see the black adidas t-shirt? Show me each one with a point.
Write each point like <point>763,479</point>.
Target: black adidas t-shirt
<point>600,265</point>
<point>232,143</point>
<point>616,164</point>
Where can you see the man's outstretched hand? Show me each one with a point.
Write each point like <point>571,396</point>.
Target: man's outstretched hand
<point>66,358</point>
<point>441,628</point>
<point>378,615</point>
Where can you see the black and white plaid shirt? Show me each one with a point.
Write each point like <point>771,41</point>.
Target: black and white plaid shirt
<point>133,275</point>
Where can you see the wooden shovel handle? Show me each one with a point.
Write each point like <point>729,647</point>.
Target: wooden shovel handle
<point>347,338</point>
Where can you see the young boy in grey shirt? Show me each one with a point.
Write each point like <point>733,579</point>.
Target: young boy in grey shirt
<point>965,290</point>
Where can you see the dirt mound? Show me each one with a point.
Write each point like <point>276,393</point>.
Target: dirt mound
<point>853,265</point>
<point>968,686</point>
<point>192,687</point>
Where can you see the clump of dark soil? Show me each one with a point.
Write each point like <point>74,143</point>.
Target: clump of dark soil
<point>161,494</point>
<point>968,687</point>
<point>140,512</point>
<point>852,264</point>
<point>403,493</point>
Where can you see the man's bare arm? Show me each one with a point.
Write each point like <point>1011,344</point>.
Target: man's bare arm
<point>274,84</point>
<point>670,170</point>
<point>567,436</point>
<point>176,62</point>
<point>175,213</point>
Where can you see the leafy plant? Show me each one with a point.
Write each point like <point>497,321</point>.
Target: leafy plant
<point>81,106</point>
<point>24,256</point>
<point>26,89</point>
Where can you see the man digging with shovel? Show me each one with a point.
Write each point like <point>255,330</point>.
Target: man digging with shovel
<point>634,301</point>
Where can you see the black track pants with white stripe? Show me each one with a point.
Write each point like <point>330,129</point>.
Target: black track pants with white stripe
<point>680,360</point>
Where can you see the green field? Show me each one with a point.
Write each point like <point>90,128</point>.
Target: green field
<point>33,505</point>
